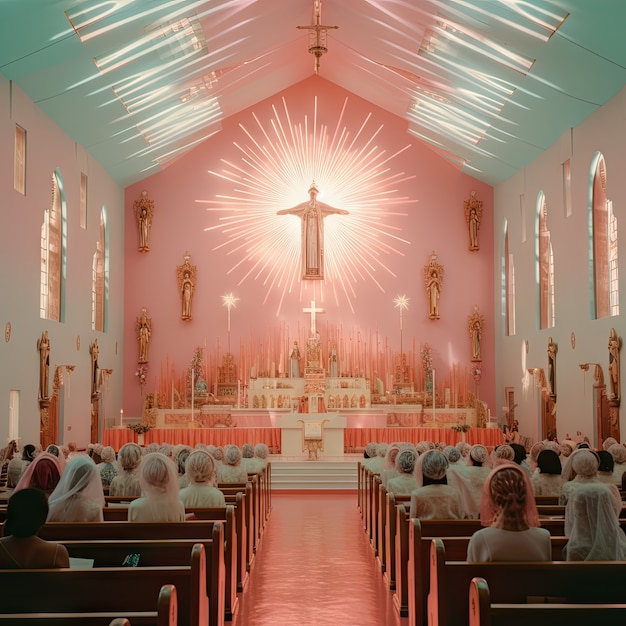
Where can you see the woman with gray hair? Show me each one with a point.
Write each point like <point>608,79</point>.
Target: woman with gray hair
<point>200,491</point>
<point>405,481</point>
<point>434,498</point>
<point>231,471</point>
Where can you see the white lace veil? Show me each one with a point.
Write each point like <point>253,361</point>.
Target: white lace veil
<point>80,476</point>
<point>158,476</point>
<point>592,526</point>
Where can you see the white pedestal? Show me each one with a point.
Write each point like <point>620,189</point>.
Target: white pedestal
<point>291,433</point>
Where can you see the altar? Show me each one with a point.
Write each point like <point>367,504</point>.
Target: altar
<point>293,430</point>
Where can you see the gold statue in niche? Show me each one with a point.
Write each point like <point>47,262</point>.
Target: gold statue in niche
<point>143,326</point>
<point>473,215</point>
<point>475,324</point>
<point>144,211</point>
<point>433,279</point>
<point>312,214</point>
<point>186,275</point>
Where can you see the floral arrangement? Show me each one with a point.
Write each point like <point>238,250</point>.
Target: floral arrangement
<point>461,428</point>
<point>427,359</point>
<point>141,373</point>
<point>140,429</point>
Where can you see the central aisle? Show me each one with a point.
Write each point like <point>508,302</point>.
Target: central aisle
<point>315,567</point>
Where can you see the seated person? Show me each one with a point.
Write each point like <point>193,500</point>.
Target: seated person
<point>547,481</point>
<point>581,468</point>
<point>201,490</point>
<point>78,497</point>
<point>434,498</point>
<point>107,467</point>
<point>390,471</point>
<point>43,473</point>
<point>606,466</point>
<point>509,512</point>
<point>469,480</point>
<point>126,483</point>
<point>231,470</point>
<point>159,500</point>
<point>20,548</point>
<point>592,526</point>
<point>503,454</point>
<point>405,482</point>
<point>618,452</point>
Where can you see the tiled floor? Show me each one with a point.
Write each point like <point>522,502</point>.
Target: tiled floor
<point>315,567</point>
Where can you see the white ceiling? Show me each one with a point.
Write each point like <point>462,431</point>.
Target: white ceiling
<point>489,84</point>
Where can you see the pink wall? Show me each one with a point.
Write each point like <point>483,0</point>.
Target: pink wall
<point>434,221</point>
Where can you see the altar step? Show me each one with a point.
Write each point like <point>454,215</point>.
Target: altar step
<point>322,475</point>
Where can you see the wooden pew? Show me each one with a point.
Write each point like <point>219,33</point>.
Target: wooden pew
<point>483,613</point>
<point>514,582</point>
<point>166,614</point>
<point>209,534</point>
<point>166,552</point>
<point>421,533</point>
<point>382,528</point>
<point>112,591</point>
<point>245,532</point>
<point>235,532</point>
<point>393,502</point>
<point>418,573</point>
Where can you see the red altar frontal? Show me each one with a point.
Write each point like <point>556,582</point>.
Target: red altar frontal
<point>355,439</point>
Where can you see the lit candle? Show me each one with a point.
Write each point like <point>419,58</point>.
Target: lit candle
<point>121,416</point>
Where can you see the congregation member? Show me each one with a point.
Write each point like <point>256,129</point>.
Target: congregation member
<point>509,514</point>
<point>247,458</point>
<point>618,452</point>
<point>405,482</point>
<point>126,482</point>
<point>17,466</point>
<point>606,465</point>
<point>58,452</point>
<point>565,449</point>
<point>469,480</point>
<point>390,470</point>
<point>21,548</point>
<point>533,455</point>
<point>107,467</point>
<point>608,442</point>
<point>180,456</point>
<point>261,452</point>
<point>453,454</point>
<point>547,480</point>
<point>376,464</point>
<point>502,454</point>
<point>582,468</point>
<point>592,526</point>
<point>231,470</point>
<point>201,490</point>
<point>78,497</point>
<point>464,448</point>
<point>434,498</point>
<point>159,501</point>
<point>44,473</point>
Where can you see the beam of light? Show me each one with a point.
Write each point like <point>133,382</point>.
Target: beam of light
<point>279,158</point>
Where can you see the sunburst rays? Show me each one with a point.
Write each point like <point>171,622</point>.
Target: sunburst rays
<point>279,158</point>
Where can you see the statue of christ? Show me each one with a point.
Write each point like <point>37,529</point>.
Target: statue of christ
<point>312,214</point>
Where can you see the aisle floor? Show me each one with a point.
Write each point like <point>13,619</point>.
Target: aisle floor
<point>315,567</point>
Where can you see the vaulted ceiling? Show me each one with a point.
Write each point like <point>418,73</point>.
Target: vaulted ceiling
<point>488,84</point>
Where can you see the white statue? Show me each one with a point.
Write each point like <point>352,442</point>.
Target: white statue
<point>312,214</point>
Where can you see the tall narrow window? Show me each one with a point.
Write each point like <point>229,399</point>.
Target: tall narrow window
<point>19,160</point>
<point>545,265</point>
<point>509,286</point>
<point>603,245</point>
<point>14,414</point>
<point>567,188</point>
<point>52,266</point>
<point>100,278</point>
<point>83,200</point>
<point>522,211</point>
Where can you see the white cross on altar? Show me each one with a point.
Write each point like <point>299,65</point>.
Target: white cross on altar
<point>313,310</point>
